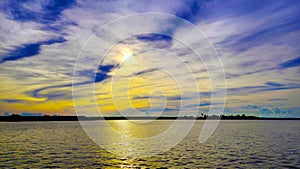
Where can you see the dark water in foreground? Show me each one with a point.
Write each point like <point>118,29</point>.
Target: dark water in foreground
<point>235,144</point>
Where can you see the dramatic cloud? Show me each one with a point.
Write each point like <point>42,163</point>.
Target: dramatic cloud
<point>258,44</point>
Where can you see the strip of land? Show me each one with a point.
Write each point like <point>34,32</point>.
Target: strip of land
<point>16,118</point>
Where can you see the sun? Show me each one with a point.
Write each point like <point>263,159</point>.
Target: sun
<point>126,54</point>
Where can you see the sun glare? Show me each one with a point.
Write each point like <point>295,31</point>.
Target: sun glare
<point>127,54</point>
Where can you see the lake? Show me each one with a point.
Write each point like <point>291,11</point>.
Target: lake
<point>235,144</point>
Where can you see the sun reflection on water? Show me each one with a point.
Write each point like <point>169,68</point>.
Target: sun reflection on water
<point>133,128</point>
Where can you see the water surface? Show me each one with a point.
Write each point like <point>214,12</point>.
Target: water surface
<point>235,144</point>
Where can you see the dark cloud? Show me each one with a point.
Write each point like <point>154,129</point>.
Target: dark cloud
<point>24,51</point>
<point>278,99</point>
<point>12,100</point>
<point>274,84</point>
<point>290,63</point>
<point>23,10</point>
<point>206,94</point>
<point>156,40</point>
<point>103,71</point>
<point>204,104</point>
<point>286,87</point>
<point>106,68</point>
<point>29,50</point>
<point>178,98</point>
<point>146,71</point>
<point>152,37</point>
<point>140,97</point>
<point>168,98</point>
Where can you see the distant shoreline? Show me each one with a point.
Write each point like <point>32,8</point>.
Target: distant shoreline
<point>17,118</point>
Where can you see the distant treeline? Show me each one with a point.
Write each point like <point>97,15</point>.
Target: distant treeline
<point>16,117</point>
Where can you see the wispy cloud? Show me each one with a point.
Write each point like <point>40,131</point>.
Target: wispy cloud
<point>257,43</point>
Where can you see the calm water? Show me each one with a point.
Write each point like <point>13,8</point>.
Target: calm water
<point>235,144</point>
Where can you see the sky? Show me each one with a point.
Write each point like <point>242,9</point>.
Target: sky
<point>153,73</point>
